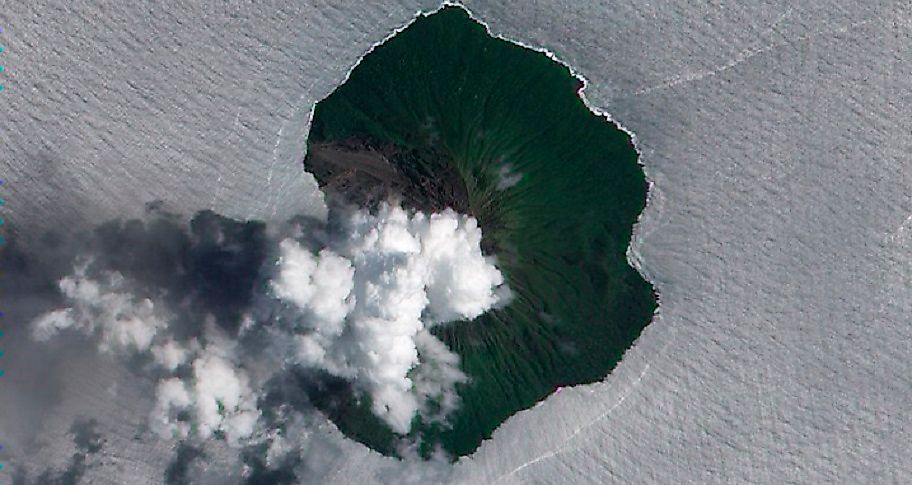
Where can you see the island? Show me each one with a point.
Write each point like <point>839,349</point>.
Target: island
<point>444,115</point>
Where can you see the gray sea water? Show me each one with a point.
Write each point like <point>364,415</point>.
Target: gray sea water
<point>777,135</point>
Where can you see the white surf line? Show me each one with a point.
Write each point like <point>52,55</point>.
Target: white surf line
<point>275,160</point>
<point>744,56</point>
<point>295,110</point>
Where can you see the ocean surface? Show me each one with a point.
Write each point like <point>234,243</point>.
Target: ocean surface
<point>777,231</point>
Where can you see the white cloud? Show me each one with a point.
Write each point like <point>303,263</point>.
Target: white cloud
<point>102,307</point>
<point>172,354</point>
<point>362,308</point>
<point>322,284</point>
<point>217,395</point>
<point>371,297</point>
<point>223,398</point>
<point>461,282</point>
<point>51,323</point>
<point>171,397</point>
<point>436,377</point>
<point>218,398</point>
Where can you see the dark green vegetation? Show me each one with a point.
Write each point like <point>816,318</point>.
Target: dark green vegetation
<point>439,113</point>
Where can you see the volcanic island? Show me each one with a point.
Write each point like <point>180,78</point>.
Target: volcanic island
<point>444,115</point>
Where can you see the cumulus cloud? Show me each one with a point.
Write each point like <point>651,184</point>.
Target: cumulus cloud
<point>321,284</point>
<point>104,308</point>
<point>436,376</point>
<point>172,354</point>
<point>371,297</point>
<point>171,396</point>
<point>356,302</point>
<point>218,399</point>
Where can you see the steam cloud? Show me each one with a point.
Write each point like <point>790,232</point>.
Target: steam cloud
<point>358,308</point>
<point>100,307</point>
<point>217,395</point>
<point>372,297</point>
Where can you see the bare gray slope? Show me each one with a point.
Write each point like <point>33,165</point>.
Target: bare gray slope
<point>777,135</point>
